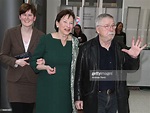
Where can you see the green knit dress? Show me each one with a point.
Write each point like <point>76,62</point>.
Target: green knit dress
<point>53,91</point>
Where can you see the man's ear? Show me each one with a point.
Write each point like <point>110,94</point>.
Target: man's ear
<point>97,29</point>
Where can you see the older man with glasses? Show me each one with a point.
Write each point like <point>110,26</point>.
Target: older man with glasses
<point>101,70</point>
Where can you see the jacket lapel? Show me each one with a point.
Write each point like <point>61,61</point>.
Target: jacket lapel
<point>33,39</point>
<point>96,52</point>
<point>19,37</point>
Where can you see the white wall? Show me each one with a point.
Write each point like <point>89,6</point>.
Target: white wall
<point>141,77</point>
<point>52,10</point>
<point>143,22</point>
<point>137,3</point>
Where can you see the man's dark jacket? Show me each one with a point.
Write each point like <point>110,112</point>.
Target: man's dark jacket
<point>89,59</point>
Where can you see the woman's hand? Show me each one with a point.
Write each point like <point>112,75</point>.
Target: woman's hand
<point>41,66</point>
<point>22,62</point>
<point>50,70</point>
<point>40,61</point>
<point>135,49</point>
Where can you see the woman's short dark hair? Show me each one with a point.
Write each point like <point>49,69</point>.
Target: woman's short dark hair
<point>62,14</point>
<point>25,7</point>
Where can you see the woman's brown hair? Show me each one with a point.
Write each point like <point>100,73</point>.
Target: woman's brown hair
<point>25,7</point>
<point>63,13</point>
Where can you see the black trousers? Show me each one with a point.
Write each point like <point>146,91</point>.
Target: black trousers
<point>18,107</point>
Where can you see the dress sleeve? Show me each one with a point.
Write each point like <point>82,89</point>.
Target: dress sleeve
<point>38,53</point>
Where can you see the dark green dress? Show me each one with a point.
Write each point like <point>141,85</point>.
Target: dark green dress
<point>53,91</point>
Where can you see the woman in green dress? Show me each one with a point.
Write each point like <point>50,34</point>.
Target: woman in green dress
<point>56,54</point>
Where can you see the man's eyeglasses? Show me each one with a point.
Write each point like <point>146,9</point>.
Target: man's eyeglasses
<point>108,26</point>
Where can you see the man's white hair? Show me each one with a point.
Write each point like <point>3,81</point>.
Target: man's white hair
<point>100,17</point>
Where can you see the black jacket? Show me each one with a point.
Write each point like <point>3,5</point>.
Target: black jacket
<point>88,59</point>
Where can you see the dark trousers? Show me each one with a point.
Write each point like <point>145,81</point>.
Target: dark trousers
<point>107,103</point>
<point>18,107</point>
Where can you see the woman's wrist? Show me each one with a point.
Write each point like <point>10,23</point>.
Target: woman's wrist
<point>41,67</point>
